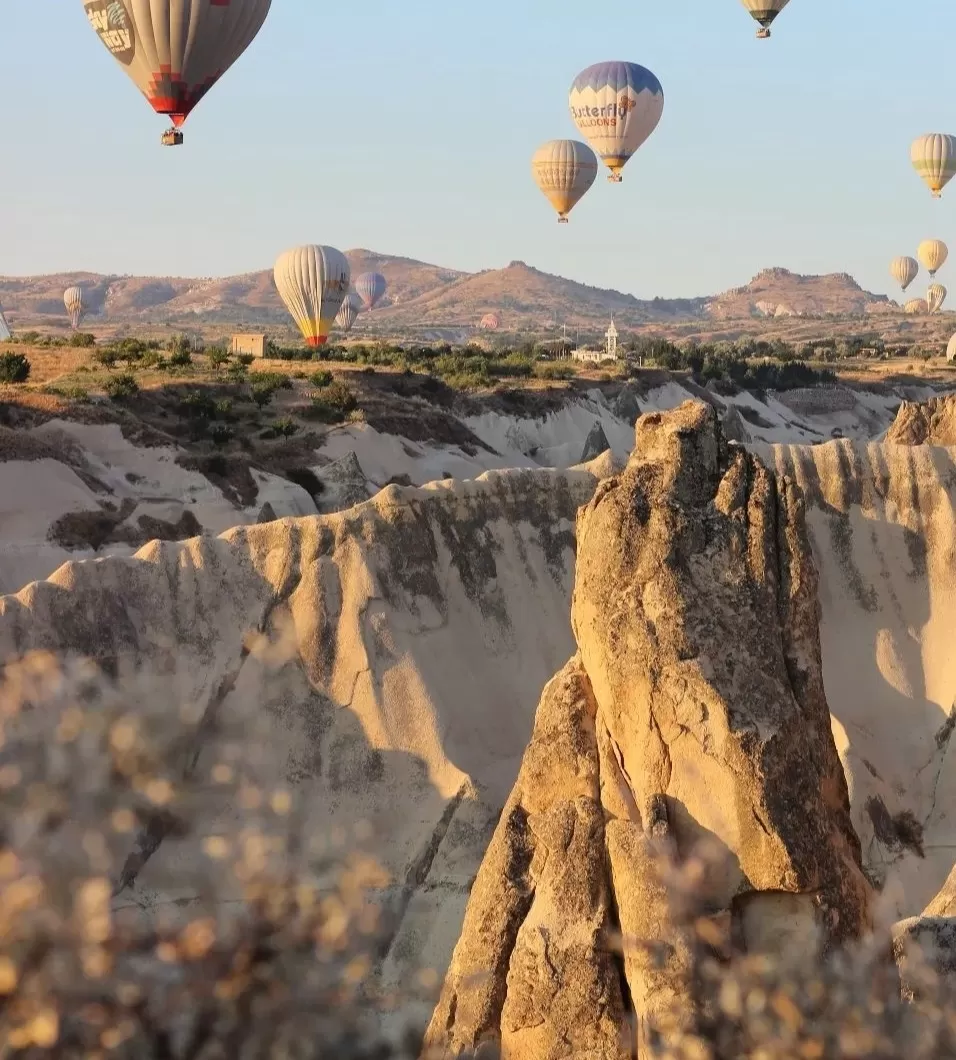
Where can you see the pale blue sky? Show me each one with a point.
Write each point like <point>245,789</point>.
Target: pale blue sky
<point>406,126</point>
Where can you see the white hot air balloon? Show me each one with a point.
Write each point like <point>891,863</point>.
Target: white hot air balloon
<point>564,170</point>
<point>5,335</point>
<point>933,254</point>
<point>349,312</point>
<point>73,300</point>
<point>174,51</point>
<point>915,305</point>
<point>951,349</point>
<point>934,159</point>
<point>935,297</point>
<point>904,271</point>
<point>764,12</point>
<point>616,106</point>
<point>313,282</point>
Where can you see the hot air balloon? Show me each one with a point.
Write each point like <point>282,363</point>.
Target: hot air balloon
<point>915,305</point>
<point>935,297</point>
<point>951,349</point>
<point>934,158</point>
<point>564,170</point>
<point>371,288</point>
<point>176,50</point>
<point>349,312</point>
<point>904,271</point>
<point>313,282</point>
<point>764,12</point>
<point>5,335</point>
<point>616,106</point>
<point>73,300</point>
<point>933,254</point>
<point>489,322</point>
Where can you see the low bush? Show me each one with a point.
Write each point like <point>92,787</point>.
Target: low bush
<point>83,340</point>
<point>14,368</point>
<point>121,387</point>
<point>321,378</point>
<point>554,370</point>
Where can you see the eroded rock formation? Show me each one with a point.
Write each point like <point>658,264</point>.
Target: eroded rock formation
<point>693,717</point>
<point>930,422</point>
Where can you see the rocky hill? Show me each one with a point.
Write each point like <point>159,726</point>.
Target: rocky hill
<point>424,299</point>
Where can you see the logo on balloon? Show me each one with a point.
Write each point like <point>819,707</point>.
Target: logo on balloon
<point>111,21</point>
<point>607,115</point>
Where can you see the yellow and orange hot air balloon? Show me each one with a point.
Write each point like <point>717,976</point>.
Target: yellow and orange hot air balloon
<point>174,51</point>
<point>313,282</point>
<point>564,170</point>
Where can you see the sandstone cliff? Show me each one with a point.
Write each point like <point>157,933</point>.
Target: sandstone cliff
<point>930,422</point>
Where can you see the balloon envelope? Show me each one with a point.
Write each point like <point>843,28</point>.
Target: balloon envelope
<point>933,254</point>
<point>489,322</point>
<point>312,282</point>
<point>349,312</point>
<point>73,300</point>
<point>174,51</point>
<point>934,159</point>
<point>564,170</point>
<point>904,271</point>
<point>951,349</point>
<point>616,106</point>
<point>4,327</point>
<point>915,305</point>
<point>371,288</point>
<point>764,12</point>
<point>935,297</point>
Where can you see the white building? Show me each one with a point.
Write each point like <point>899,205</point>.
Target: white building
<point>609,353</point>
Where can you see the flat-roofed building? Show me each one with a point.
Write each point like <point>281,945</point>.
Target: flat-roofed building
<point>254,344</point>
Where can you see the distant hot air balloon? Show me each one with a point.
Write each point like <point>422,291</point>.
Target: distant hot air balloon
<point>489,322</point>
<point>904,271</point>
<point>73,300</point>
<point>616,106</point>
<point>371,288</point>
<point>915,305</point>
<point>349,312</point>
<point>933,254</point>
<point>934,159</point>
<point>935,297</point>
<point>5,335</point>
<point>564,170</point>
<point>764,12</point>
<point>313,282</point>
<point>951,349</point>
<point>176,50</point>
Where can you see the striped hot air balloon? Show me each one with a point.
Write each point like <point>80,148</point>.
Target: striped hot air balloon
<point>174,51</point>
<point>951,349</point>
<point>5,334</point>
<point>935,297</point>
<point>915,305</point>
<point>764,12</point>
<point>933,254</point>
<point>934,159</point>
<point>73,300</point>
<point>564,170</point>
<point>489,322</point>
<point>313,282</point>
<point>371,288</point>
<point>904,271</point>
<point>616,106</point>
<point>349,312</point>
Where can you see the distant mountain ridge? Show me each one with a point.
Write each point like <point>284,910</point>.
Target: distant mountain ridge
<point>424,296</point>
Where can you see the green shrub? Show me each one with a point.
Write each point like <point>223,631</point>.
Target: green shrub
<point>180,358</point>
<point>122,386</point>
<point>152,359</point>
<point>332,403</point>
<point>220,433</point>
<point>284,427</point>
<point>217,357</point>
<point>245,359</point>
<point>14,368</point>
<point>198,406</point>
<point>83,340</point>
<point>106,358</point>
<point>262,394</point>
<point>321,378</point>
<point>554,370</point>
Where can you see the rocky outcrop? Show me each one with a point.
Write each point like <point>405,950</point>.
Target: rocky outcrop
<point>662,741</point>
<point>930,422</point>
<point>595,444</point>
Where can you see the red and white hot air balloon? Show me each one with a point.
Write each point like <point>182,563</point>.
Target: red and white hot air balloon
<point>174,51</point>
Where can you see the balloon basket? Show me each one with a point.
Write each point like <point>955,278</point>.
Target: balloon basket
<point>562,220</point>
<point>172,138</point>
<point>763,34</point>
<point>615,178</point>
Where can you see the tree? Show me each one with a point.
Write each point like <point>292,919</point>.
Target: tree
<point>14,368</point>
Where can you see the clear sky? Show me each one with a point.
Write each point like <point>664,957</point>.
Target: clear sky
<point>406,126</point>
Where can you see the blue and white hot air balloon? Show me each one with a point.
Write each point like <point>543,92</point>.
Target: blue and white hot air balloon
<point>616,106</point>
<point>371,288</point>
